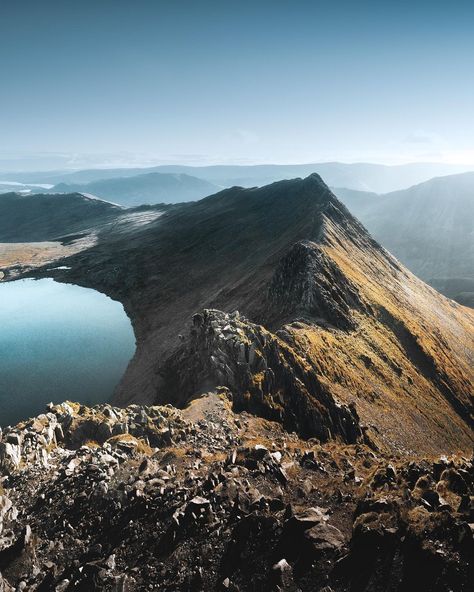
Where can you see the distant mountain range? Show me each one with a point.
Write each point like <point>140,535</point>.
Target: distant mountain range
<point>148,188</point>
<point>429,227</point>
<point>360,176</point>
<point>12,187</point>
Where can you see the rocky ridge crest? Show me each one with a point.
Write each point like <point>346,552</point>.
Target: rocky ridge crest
<point>265,376</point>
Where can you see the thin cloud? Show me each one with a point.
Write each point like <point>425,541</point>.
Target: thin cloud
<point>422,137</point>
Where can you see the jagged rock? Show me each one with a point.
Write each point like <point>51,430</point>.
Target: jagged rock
<point>383,476</point>
<point>282,575</point>
<point>377,505</point>
<point>325,537</point>
<point>10,455</point>
<point>264,374</point>
<point>432,498</point>
<point>455,482</point>
<point>5,507</point>
<point>308,284</point>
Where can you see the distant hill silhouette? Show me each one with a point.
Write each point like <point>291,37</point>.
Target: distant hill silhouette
<point>149,188</point>
<point>361,176</point>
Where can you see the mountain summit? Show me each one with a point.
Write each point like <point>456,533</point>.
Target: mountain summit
<point>335,337</point>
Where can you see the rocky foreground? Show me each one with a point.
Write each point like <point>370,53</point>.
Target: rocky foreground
<point>156,498</point>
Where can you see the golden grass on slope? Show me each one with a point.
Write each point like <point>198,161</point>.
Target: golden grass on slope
<point>406,366</point>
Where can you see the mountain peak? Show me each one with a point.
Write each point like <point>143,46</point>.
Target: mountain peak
<point>311,186</point>
<point>315,179</point>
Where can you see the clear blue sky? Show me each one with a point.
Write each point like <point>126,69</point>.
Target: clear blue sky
<point>237,81</point>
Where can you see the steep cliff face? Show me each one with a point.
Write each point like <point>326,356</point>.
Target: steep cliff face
<point>358,327</point>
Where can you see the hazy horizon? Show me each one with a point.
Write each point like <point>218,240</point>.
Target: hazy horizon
<point>107,84</point>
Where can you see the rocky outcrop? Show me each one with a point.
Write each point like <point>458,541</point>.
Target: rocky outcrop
<point>265,376</point>
<point>307,283</point>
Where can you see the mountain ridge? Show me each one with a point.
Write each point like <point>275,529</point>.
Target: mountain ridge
<point>318,439</point>
<point>372,333</point>
<point>40,217</point>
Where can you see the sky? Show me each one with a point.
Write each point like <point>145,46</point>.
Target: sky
<point>111,82</point>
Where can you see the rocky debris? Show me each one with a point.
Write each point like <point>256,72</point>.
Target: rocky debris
<point>205,499</point>
<point>264,374</point>
<point>409,533</point>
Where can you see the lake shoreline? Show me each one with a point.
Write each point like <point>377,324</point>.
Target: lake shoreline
<point>58,341</point>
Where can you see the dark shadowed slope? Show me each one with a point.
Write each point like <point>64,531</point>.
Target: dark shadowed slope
<point>428,227</point>
<point>151,188</point>
<point>29,218</point>
<point>337,322</point>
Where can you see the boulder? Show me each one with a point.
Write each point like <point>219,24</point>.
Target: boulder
<point>10,456</point>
